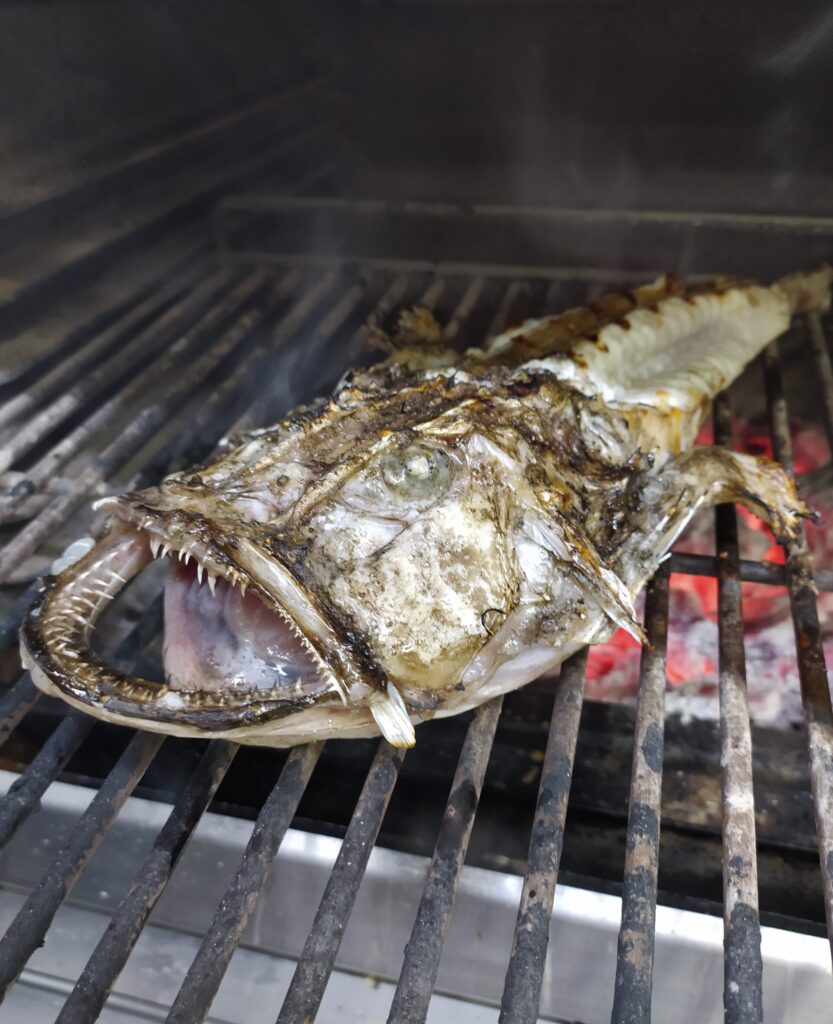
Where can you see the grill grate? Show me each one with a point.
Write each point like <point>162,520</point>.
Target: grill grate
<point>155,389</point>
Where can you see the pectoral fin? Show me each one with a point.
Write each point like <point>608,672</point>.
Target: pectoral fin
<point>707,476</point>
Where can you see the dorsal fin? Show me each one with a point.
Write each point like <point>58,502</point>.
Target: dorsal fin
<point>558,334</point>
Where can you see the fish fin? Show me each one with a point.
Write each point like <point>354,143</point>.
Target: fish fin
<point>559,334</point>
<point>710,475</point>
<point>418,342</point>
<point>391,716</point>
<point>573,547</point>
<point>808,293</point>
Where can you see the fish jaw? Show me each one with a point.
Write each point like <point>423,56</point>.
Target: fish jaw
<point>56,642</point>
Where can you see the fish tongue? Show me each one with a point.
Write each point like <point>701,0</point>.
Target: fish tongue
<point>226,640</point>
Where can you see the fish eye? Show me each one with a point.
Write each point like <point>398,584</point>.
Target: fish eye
<point>417,472</point>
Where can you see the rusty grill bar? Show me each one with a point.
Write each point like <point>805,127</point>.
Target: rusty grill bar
<point>185,363</point>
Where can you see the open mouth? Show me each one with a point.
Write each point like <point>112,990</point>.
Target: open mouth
<point>232,655</point>
<point>245,644</point>
<point>220,638</point>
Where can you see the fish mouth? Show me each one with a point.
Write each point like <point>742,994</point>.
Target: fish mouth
<point>244,643</point>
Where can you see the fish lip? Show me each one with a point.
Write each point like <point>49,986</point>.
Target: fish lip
<point>115,694</point>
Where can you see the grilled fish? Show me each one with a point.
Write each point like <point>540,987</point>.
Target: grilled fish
<point>444,528</point>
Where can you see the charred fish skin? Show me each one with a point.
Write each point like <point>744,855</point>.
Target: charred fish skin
<point>444,528</point>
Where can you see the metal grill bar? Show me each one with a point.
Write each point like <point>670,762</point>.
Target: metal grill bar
<point>392,298</point>
<point>22,798</point>
<point>208,418</point>
<point>194,998</point>
<point>183,450</point>
<point>60,393</point>
<point>525,975</point>
<point>174,337</point>
<point>189,316</point>
<point>27,930</point>
<point>131,438</point>
<point>743,966</point>
<point>812,669</point>
<point>104,966</point>
<point>508,303</point>
<point>750,572</point>
<point>821,356</point>
<point>150,303</point>
<point>321,948</point>
<point>14,705</point>
<point>465,308</point>
<point>635,954</point>
<point>422,954</point>
<point>10,623</point>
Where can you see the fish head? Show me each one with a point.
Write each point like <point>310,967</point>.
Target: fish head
<point>367,565</point>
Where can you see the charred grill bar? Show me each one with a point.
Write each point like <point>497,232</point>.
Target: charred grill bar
<point>226,345</point>
<point>635,960</point>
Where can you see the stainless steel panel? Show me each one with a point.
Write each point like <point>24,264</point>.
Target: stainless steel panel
<point>578,982</point>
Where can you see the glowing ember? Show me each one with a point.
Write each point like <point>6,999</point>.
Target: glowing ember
<point>772,674</point>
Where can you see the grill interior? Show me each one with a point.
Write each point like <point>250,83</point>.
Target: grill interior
<point>249,283</point>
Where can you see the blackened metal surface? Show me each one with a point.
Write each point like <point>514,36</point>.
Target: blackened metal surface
<point>525,974</point>
<point>824,371</point>
<point>24,794</point>
<point>168,336</point>
<point>194,998</point>
<point>608,244</point>
<point>422,953</point>
<point>15,703</point>
<point>635,956</point>
<point>812,669</point>
<point>27,930</point>
<point>750,572</point>
<point>175,388</point>
<point>743,966</point>
<point>87,999</point>
<point>321,948</point>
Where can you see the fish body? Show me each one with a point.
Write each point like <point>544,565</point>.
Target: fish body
<point>444,528</point>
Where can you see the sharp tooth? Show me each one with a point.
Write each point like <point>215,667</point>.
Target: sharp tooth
<point>155,545</point>
<point>166,547</point>
<point>212,583</point>
<point>182,555</point>
<point>199,572</point>
<point>243,586</point>
<point>110,502</point>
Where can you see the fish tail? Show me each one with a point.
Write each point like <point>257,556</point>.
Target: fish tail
<point>807,293</point>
